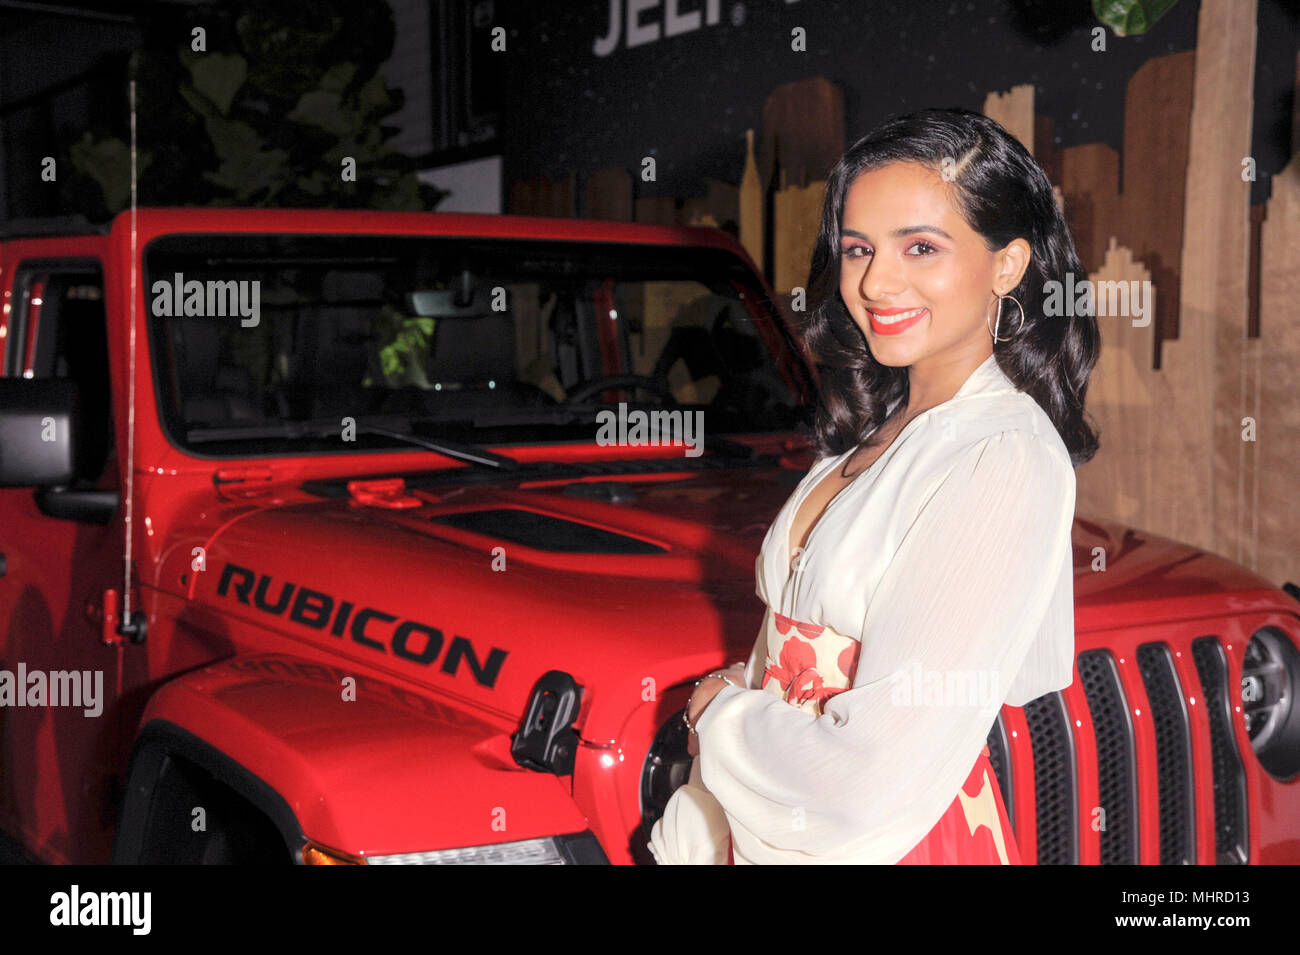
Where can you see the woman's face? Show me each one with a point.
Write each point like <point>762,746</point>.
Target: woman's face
<point>904,248</point>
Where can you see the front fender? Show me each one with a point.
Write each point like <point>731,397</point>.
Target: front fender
<point>389,771</point>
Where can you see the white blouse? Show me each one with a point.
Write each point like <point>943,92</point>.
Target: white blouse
<point>949,558</point>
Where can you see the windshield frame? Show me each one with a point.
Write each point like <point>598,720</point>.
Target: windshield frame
<point>750,291</point>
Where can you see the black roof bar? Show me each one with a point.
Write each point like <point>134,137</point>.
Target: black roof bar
<point>51,225</point>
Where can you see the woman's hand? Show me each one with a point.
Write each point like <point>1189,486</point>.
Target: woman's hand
<point>703,696</point>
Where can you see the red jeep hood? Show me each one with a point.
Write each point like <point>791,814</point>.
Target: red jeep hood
<point>544,600</point>
<point>541,601</point>
<point>1128,577</point>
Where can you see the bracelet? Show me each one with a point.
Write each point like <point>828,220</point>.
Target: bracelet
<point>685,711</point>
<point>717,676</point>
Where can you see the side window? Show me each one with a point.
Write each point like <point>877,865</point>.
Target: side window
<point>64,335</point>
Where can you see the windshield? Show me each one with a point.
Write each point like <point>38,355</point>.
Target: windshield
<point>483,341</point>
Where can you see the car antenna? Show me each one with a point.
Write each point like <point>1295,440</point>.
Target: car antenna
<point>132,625</point>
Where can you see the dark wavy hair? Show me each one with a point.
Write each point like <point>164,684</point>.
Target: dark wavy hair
<point>1003,194</point>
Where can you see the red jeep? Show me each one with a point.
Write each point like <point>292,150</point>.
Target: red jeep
<point>361,537</point>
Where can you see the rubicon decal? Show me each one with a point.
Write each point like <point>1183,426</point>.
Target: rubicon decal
<point>380,631</point>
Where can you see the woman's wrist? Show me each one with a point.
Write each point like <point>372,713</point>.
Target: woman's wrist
<point>707,689</point>
<point>707,712</point>
<point>711,685</point>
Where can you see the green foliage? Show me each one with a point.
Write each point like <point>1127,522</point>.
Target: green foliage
<point>1131,17</point>
<point>216,76</point>
<point>258,119</point>
<point>404,351</point>
<point>108,163</point>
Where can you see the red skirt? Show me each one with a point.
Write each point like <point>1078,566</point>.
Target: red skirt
<point>974,830</point>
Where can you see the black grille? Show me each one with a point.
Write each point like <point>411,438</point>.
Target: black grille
<point>1055,785</point>
<point>1173,754</point>
<point>1119,781</point>
<point>1001,767</point>
<point>1230,830</point>
<point>1116,764</point>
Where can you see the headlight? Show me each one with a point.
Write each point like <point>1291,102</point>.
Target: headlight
<point>579,848</point>
<point>1270,674</point>
<point>526,852</point>
<point>667,766</point>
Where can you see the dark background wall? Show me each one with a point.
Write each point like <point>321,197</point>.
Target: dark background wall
<point>551,104</point>
<point>688,99</point>
<point>56,72</point>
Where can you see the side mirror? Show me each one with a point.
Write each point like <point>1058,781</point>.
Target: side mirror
<point>38,445</point>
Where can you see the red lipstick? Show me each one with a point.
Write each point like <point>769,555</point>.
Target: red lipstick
<point>894,328</point>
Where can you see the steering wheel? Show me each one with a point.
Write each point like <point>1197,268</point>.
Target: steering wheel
<point>659,386</point>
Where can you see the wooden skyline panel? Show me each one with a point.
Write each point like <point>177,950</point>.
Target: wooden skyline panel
<point>1117,482</point>
<point>1198,450</point>
<point>1271,495</point>
<point>541,196</point>
<point>1157,130</point>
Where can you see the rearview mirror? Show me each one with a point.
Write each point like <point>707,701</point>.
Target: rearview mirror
<point>467,299</point>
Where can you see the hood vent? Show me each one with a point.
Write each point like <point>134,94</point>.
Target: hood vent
<point>543,532</point>
<point>615,492</point>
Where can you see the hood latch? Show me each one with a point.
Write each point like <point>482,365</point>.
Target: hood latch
<point>388,492</point>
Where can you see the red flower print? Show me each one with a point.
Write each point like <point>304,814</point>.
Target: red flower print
<point>796,657</point>
<point>848,659</point>
<point>795,671</point>
<point>806,686</point>
<point>810,630</point>
<point>827,693</point>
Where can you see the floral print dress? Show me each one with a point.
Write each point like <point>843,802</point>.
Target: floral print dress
<point>807,664</point>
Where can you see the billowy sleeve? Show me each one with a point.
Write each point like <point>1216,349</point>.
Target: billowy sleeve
<point>693,829</point>
<point>976,582</point>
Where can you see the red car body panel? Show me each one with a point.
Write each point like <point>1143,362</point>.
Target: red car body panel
<point>420,761</point>
<point>384,760</point>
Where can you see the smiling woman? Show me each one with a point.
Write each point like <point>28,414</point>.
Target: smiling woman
<point>929,545</point>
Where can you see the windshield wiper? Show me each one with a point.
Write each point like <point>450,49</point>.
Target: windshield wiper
<point>459,450</point>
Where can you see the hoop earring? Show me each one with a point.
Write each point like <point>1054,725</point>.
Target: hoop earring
<point>994,330</point>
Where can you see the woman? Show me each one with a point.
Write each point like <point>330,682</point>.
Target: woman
<point>920,575</point>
